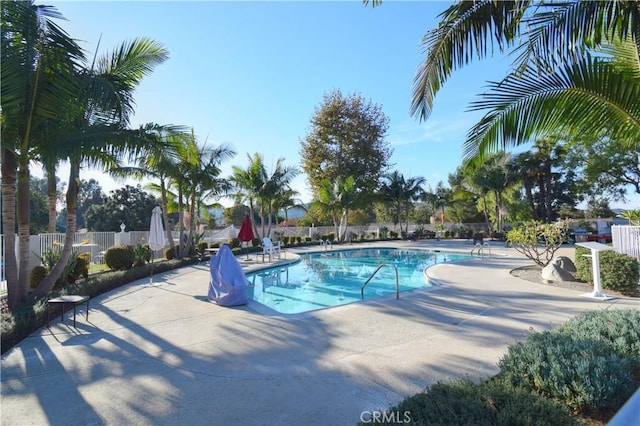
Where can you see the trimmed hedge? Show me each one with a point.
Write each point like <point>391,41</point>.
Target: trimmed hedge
<point>119,257</point>
<point>618,271</point>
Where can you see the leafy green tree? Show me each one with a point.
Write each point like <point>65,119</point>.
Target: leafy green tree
<point>39,220</point>
<point>537,240</point>
<point>235,214</point>
<point>605,167</point>
<point>129,205</point>
<point>598,207</point>
<point>89,194</point>
<point>346,138</point>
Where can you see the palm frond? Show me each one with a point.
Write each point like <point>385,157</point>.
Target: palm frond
<point>468,30</point>
<point>584,97</point>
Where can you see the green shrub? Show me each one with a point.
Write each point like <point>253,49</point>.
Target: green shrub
<point>170,254</point>
<point>618,271</point>
<point>202,246</point>
<point>36,275</point>
<point>577,372</point>
<point>141,254</point>
<point>119,257</point>
<point>234,243</point>
<point>492,402</point>
<point>256,242</point>
<point>393,235</point>
<point>620,328</point>
<point>583,264</point>
<point>81,269</point>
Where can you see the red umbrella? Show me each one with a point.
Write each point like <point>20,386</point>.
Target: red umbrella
<point>246,233</point>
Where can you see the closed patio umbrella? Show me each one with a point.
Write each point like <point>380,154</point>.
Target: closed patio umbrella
<point>156,235</point>
<point>246,233</point>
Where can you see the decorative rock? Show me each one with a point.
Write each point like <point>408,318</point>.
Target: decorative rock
<point>565,263</point>
<point>553,272</point>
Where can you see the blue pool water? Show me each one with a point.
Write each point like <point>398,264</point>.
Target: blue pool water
<point>333,278</point>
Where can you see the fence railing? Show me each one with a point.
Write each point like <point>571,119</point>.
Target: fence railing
<point>626,239</point>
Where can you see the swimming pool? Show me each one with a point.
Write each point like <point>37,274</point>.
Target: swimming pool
<point>332,278</point>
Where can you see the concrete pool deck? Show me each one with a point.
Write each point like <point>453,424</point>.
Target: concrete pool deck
<point>163,355</point>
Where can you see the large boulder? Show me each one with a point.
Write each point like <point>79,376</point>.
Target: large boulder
<point>553,272</point>
<point>565,263</point>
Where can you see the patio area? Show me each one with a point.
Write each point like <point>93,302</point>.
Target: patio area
<point>165,355</point>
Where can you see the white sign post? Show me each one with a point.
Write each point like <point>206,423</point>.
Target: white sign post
<point>596,248</point>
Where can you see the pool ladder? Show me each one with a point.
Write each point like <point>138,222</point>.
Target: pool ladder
<point>375,272</point>
<point>480,247</point>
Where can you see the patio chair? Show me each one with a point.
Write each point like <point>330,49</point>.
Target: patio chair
<point>268,247</point>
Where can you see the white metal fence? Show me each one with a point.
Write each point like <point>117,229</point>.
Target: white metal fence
<point>626,239</point>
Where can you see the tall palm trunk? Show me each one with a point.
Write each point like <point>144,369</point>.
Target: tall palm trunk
<point>165,203</point>
<point>9,179</point>
<point>52,199</point>
<point>67,249</point>
<point>181,252</point>
<point>23,217</point>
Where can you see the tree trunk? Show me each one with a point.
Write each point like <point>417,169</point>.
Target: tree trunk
<point>67,249</point>
<point>167,228</point>
<point>526,182</point>
<point>24,216</point>
<point>9,170</point>
<point>52,199</point>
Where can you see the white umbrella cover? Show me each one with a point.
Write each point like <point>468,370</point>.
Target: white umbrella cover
<point>156,231</point>
<point>156,234</point>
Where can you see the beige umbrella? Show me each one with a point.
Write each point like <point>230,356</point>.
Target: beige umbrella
<point>156,235</point>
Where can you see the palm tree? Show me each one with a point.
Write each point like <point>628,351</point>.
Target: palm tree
<point>577,71</point>
<point>401,194</point>
<point>494,177</point>
<point>100,112</point>
<point>287,199</point>
<point>38,61</point>
<point>203,182</point>
<point>276,184</point>
<point>249,182</point>
<point>158,162</point>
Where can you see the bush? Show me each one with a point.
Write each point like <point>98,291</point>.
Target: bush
<point>618,271</point>
<point>234,243</point>
<point>170,254</point>
<point>581,373</point>
<point>119,257</point>
<point>141,254</point>
<point>491,402</point>
<point>583,264</point>
<point>619,328</point>
<point>83,260</point>
<point>256,242</point>
<point>202,246</point>
<point>36,276</point>
<point>538,240</point>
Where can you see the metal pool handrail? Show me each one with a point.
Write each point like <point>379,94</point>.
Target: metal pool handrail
<point>375,272</point>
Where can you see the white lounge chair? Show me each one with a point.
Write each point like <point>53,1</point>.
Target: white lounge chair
<point>268,247</point>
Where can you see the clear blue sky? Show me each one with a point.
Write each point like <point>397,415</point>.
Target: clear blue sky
<point>251,74</point>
